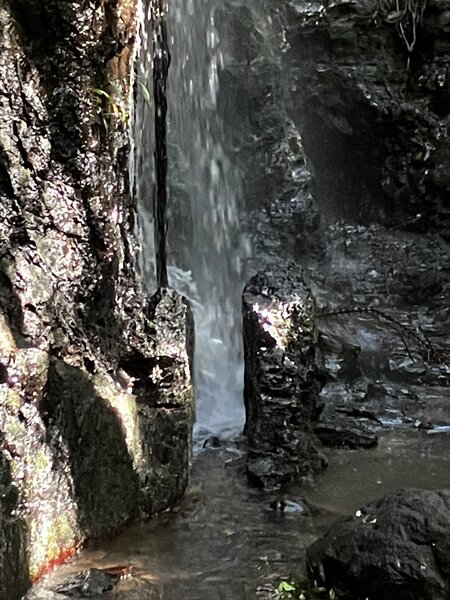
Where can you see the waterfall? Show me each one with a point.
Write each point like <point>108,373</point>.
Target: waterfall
<point>206,247</point>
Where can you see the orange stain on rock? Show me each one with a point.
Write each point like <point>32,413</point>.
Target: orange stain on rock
<point>63,556</point>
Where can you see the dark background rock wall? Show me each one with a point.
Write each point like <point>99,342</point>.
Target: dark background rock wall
<point>335,111</point>
<point>369,93</point>
<point>95,397</point>
<point>340,106</point>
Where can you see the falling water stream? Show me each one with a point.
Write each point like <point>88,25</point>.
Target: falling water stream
<point>205,243</point>
<point>205,239</point>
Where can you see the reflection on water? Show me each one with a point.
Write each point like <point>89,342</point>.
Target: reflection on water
<point>225,542</point>
<point>411,459</point>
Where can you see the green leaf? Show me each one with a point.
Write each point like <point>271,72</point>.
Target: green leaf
<point>145,92</point>
<point>100,92</point>
<point>285,586</point>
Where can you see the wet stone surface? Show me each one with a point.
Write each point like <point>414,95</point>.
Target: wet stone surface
<point>383,299</point>
<point>89,583</point>
<point>283,378</point>
<point>395,548</point>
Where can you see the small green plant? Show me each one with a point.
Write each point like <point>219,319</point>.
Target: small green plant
<point>286,589</point>
<point>290,589</point>
<point>145,93</point>
<point>113,108</point>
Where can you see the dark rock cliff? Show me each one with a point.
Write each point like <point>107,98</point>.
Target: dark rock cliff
<point>369,92</point>
<point>344,100</point>
<point>95,396</point>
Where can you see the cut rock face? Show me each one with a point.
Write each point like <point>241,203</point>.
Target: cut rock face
<point>282,378</point>
<point>396,548</point>
<point>95,393</point>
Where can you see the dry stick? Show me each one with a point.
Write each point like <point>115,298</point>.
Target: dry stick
<point>424,343</point>
<point>407,348</point>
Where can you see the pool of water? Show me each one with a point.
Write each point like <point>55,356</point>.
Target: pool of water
<point>224,541</point>
<point>402,459</point>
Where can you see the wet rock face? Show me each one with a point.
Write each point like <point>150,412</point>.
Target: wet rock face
<point>265,144</point>
<point>87,451</point>
<point>282,378</point>
<point>383,331</point>
<point>165,406</point>
<point>13,563</point>
<point>260,136</point>
<point>339,431</point>
<point>369,93</point>
<point>396,548</point>
<point>87,584</point>
<point>95,397</point>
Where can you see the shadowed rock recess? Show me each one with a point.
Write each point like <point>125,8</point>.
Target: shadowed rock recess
<point>368,89</point>
<point>95,393</point>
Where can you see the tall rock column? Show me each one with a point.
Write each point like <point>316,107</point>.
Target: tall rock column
<point>282,378</point>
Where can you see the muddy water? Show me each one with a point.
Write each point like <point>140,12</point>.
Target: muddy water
<point>402,459</point>
<point>224,541</point>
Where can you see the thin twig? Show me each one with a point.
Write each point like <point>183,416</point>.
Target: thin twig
<point>425,345</point>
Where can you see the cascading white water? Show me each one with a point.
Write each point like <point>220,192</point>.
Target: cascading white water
<point>212,249</point>
<point>205,243</point>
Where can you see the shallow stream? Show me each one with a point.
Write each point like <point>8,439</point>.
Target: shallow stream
<point>224,541</point>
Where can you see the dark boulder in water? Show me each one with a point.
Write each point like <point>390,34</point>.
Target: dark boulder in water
<point>396,548</point>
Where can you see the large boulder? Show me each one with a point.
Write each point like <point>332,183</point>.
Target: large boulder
<point>85,450</point>
<point>283,378</point>
<point>396,548</point>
